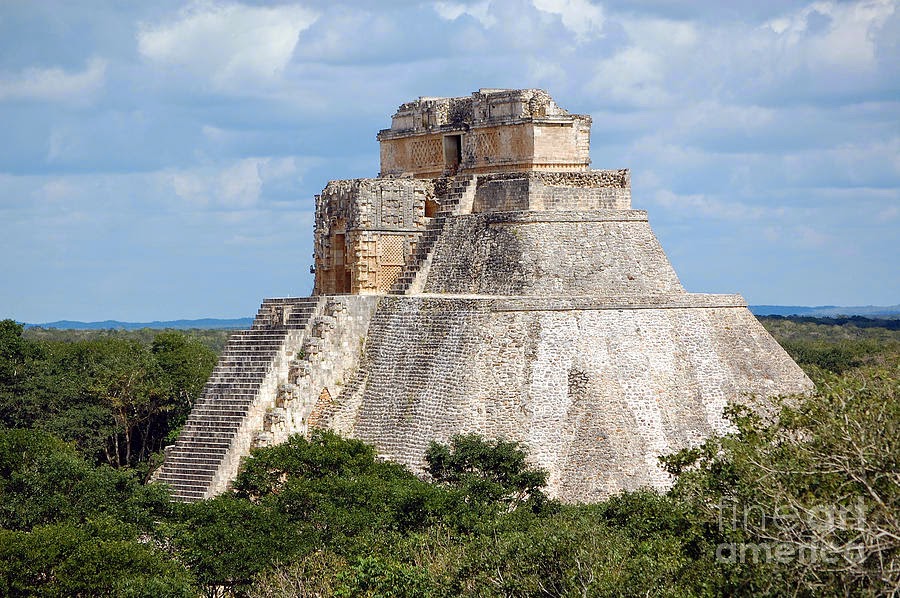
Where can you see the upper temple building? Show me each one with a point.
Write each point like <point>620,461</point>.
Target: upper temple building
<point>497,150</point>
<point>493,130</point>
<point>489,282</point>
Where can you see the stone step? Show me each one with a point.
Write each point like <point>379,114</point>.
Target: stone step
<point>224,387</point>
<point>224,394</point>
<point>211,413</point>
<point>193,466</point>
<point>214,440</point>
<point>189,489</point>
<point>251,343</point>
<point>220,404</point>
<point>230,392</point>
<point>231,376</point>
<point>193,429</point>
<point>174,461</point>
<point>193,476</point>
<point>219,446</point>
<point>191,453</point>
<point>210,431</point>
<point>250,338</point>
<point>203,450</point>
<point>244,362</point>
<point>198,481</point>
<point>188,463</point>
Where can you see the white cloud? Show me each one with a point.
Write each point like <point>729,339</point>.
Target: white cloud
<point>868,163</point>
<point>581,17</point>
<point>807,236</point>
<point>240,184</point>
<point>641,72</point>
<point>708,206</point>
<point>634,76</point>
<point>824,49</point>
<point>231,44</point>
<point>237,185</point>
<point>801,236</point>
<point>661,33</point>
<point>55,84</point>
<point>480,11</point>
<point>831,34</point>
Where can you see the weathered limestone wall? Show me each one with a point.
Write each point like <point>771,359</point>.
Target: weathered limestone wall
<point>542,309</point>
<point>602,253</point>
<point>324,366</point>
<point>597,393</point>
<point>563,191</point>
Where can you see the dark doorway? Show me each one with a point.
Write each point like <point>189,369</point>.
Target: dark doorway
<point>338,246</point>
<point>431,208</point>
<point>452,153</point>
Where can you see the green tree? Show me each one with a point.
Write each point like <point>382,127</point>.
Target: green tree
<point>339,489</point>
<point>44,480</point>
<point>186,365</point>
<point>98,558</point>
<point>806,503</point>
<point>225,542</point>
<point>486,471</point>
<point>118,399</point>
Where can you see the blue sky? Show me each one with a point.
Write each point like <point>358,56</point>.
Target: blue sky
<point>159,159</point>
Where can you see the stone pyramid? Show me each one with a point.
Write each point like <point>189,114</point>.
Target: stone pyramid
<point>487,281</point>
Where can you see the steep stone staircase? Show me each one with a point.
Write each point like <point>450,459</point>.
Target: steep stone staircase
<point>240,380</point>
<point>462,188</point>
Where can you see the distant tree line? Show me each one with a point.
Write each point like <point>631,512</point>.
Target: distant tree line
<point>214,339</point>
<point>843,321</point>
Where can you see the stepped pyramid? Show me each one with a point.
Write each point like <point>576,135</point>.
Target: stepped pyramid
<point>487,281</point>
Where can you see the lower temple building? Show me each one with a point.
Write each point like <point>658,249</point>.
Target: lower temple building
<point>487,281</point>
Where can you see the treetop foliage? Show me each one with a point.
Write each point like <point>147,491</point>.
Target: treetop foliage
<point>119,400</point>
<point>486,471</point>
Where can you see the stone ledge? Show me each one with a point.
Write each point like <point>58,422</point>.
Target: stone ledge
<point>578,179</point>
<point>526,217</point>
<point>503,303</point>
<point>681,301</point>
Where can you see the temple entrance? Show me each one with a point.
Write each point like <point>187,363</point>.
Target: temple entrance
<point>339,271</point>
<point>452,153</point>
<point>431,208</point>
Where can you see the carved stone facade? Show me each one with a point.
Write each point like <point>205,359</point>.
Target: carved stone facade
<point>512,293</point>
<point>366,230</point>
<point>493,130</point>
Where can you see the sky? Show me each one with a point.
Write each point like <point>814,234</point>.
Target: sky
<point>159,160</point>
